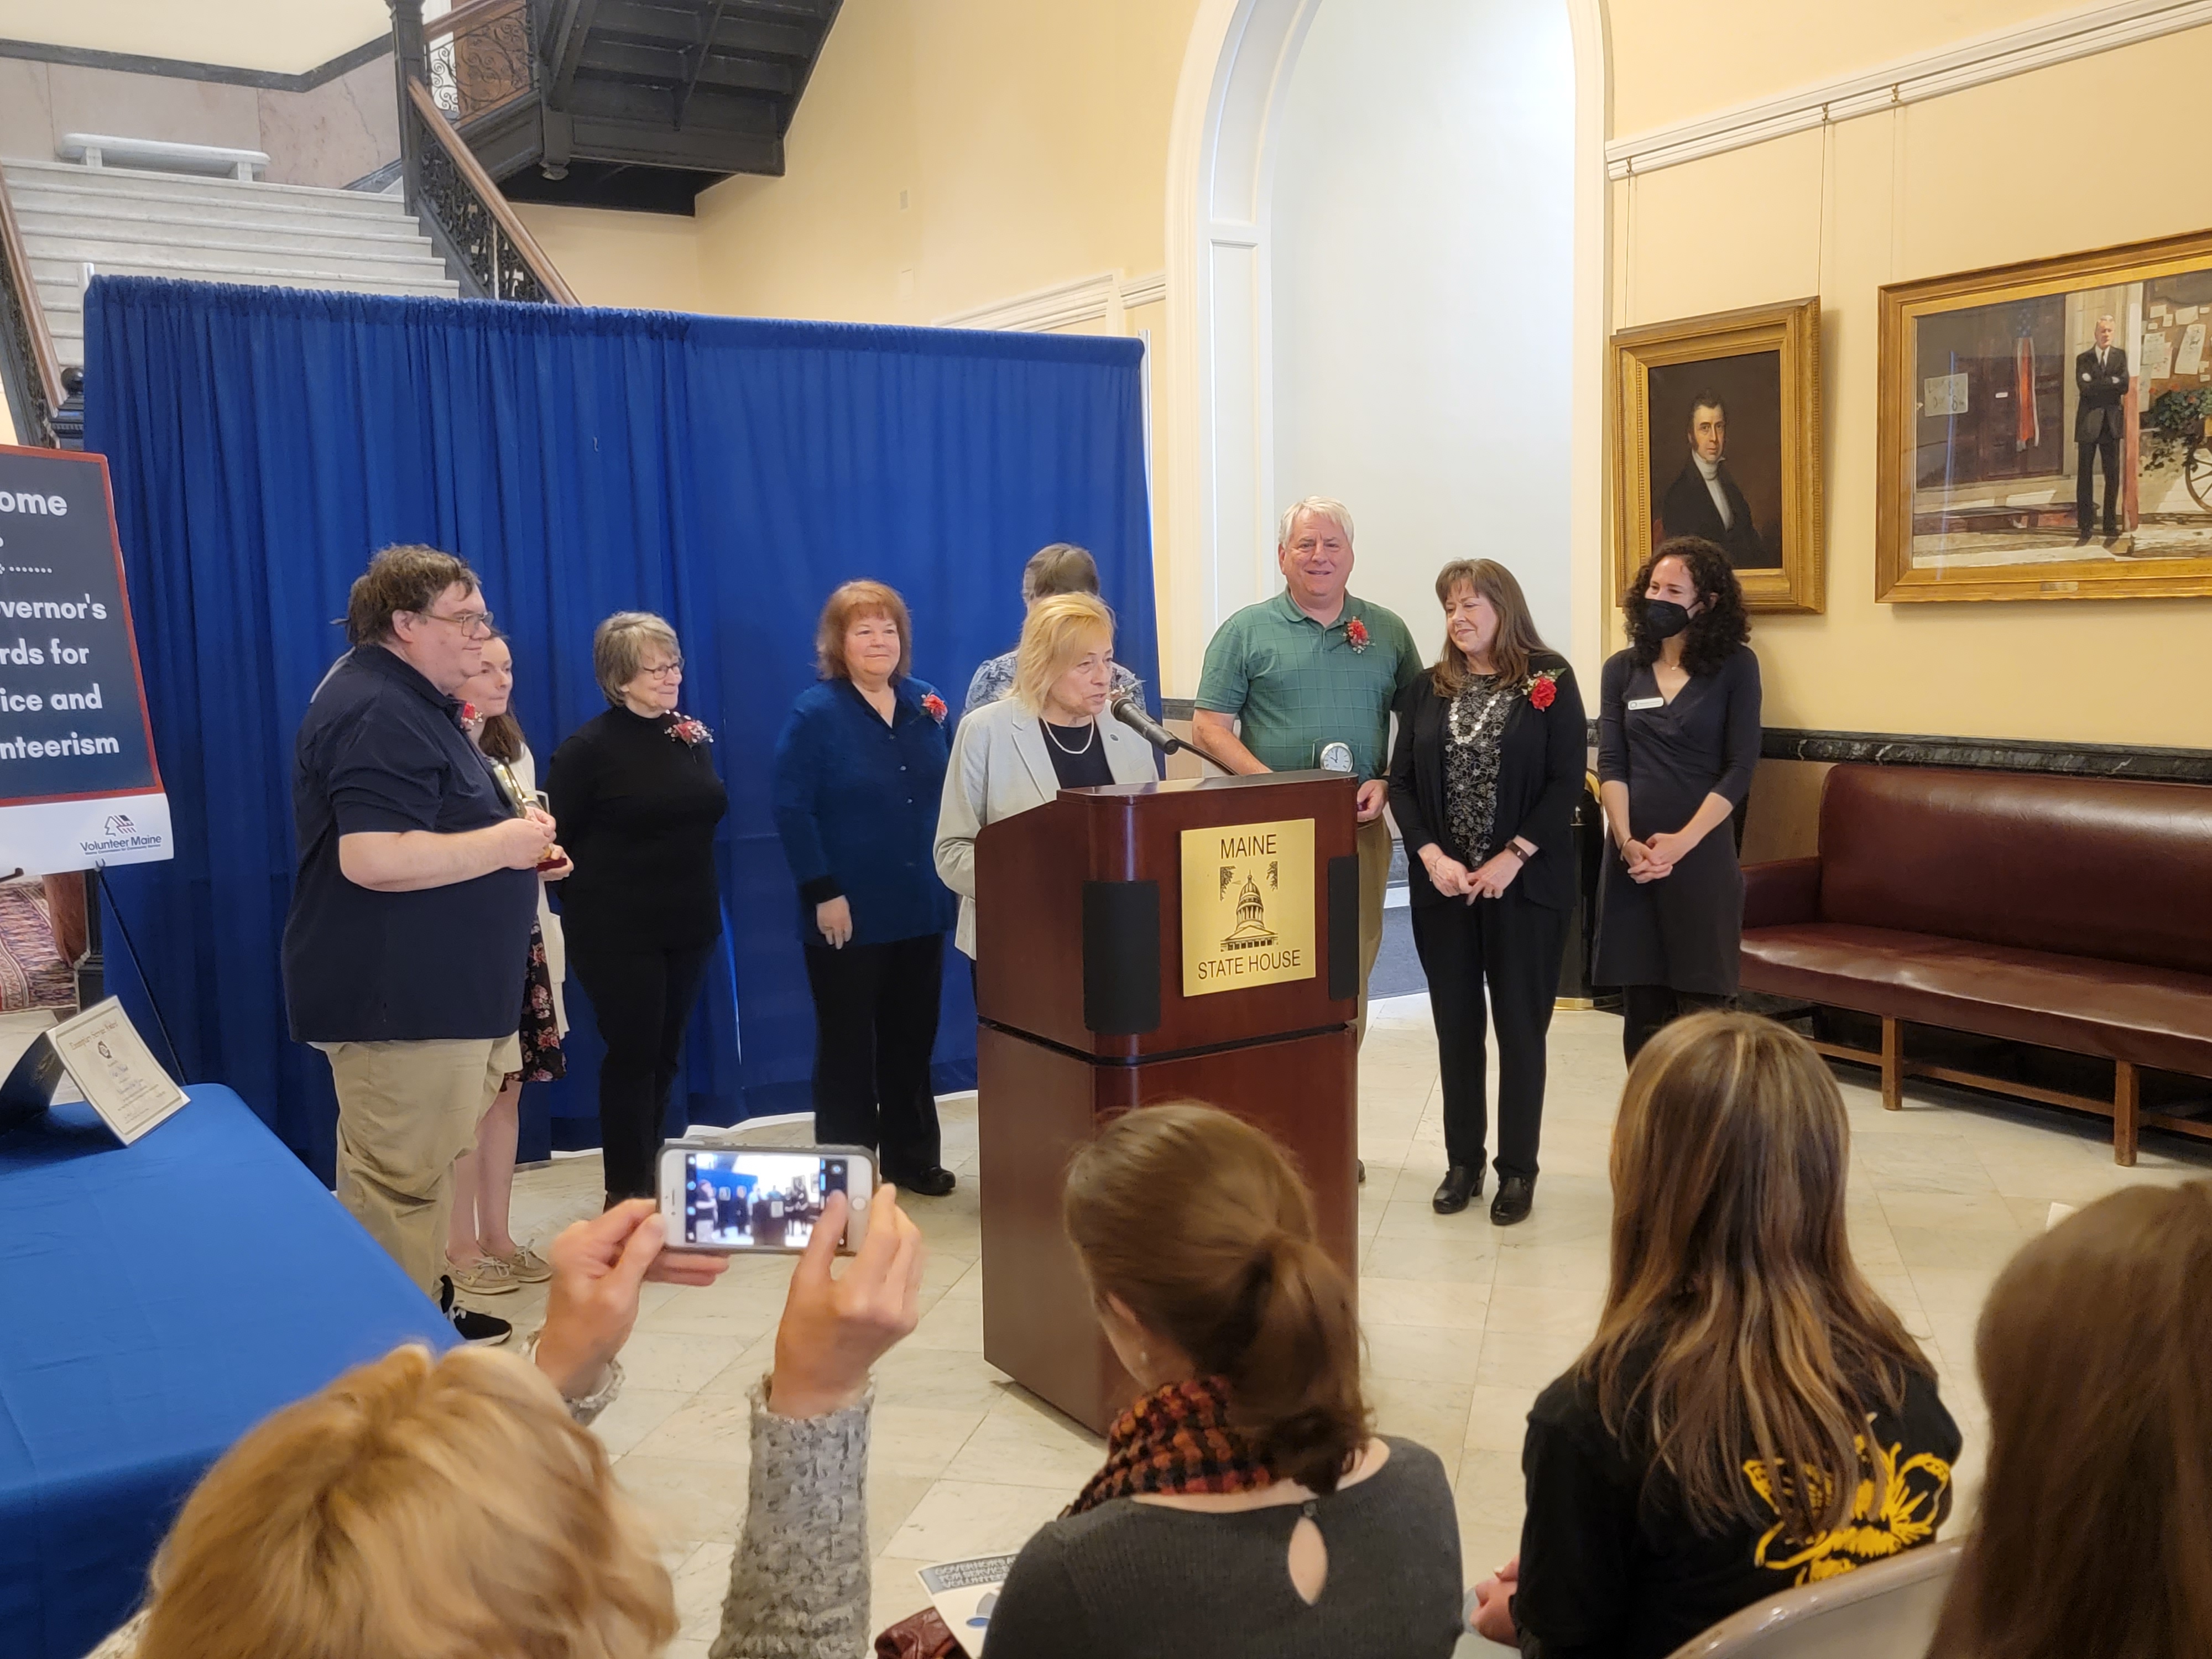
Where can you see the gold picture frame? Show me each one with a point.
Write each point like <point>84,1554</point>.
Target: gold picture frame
<point>1989,380</point>
<point>1760,368</point>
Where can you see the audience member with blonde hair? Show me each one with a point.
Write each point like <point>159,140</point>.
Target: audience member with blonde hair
<point>857,816</point>
<point>1045,735</point>
<point>2093,1534</point>
<point>1246,1506</point>
<point>421,1508</point>
<point>1750,1416</point>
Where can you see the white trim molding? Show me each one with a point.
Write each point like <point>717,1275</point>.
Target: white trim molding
<point>1065,305</point>
<point>1976,61</point>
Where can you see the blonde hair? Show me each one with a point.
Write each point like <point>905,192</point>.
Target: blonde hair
<point>415,1509</point>
<point>855,600</point>
<point>1059,630</point>
<point>1735,1317</point>
<point>618,648</point>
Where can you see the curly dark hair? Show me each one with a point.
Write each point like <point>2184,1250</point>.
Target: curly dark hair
<point>1716,633</point>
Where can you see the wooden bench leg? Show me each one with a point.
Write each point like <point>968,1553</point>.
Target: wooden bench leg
<point>1893,1066</point>
<point>2127,1109</point>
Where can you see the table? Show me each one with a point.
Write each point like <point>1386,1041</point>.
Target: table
<point>156,1301</point>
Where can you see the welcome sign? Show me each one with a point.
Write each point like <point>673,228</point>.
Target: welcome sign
<point>78,784</point>
<point>1248,905</point>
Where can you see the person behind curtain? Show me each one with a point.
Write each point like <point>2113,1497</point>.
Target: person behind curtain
<point>1062,568</point>
<point>1483,784</point>
<point>859,768</point>
<point>1249,1467</point>
<point>481,1253</point>
<point>1045,735</point>
<point>641,909</point>
<point>2093,1532</point>
<point>457,1505</point>
<point>1751,1415</point>
<point>1678,739</point>
<point>404,845</point>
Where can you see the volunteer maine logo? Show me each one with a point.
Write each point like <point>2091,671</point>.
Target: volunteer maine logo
<point>119,825</point>
<point>1251,931</point>
<point>1248,905</point>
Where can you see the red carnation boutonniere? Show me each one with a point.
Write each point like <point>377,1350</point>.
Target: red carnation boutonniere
<point>933,706</point>
<point>468,713</point>
<point>1543,688</point>
<point>1355,633</point>
<point>690,730</point>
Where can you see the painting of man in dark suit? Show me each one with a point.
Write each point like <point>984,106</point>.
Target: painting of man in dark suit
<point>1704,499</point>
<point>2100,376</point>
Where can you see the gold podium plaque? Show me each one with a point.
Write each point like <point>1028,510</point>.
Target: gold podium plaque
<point>1248,905</point>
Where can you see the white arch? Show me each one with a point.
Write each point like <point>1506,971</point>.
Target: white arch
<point>1217,388</point>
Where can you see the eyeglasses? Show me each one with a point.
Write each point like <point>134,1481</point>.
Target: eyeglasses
<point>667,671</point>
<point>473,624</point>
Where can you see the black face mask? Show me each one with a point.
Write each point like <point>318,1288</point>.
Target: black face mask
<point>1662,620</point>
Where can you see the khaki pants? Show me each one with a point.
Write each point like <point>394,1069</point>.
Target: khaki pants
<point>1374,844</point>
<point>406,1111</point>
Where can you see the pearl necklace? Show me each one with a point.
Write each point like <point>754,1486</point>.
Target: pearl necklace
<point>1084,749</point>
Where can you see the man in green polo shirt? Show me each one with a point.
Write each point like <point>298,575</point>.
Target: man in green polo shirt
<point>1310,667</point>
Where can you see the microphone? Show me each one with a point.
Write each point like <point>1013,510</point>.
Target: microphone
<point>1131,714</point>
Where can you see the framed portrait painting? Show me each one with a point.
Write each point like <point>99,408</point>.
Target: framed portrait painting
<point>2042,429</point>
<point>1717,433</point>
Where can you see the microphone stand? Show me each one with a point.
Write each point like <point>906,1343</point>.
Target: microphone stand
<point>1131,712</point>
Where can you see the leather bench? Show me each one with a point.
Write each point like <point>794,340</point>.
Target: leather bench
<point>2064,913</point>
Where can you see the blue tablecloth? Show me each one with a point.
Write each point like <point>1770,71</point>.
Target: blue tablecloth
<point>156,1301</point>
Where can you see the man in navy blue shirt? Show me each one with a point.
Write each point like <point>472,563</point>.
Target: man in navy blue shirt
<point>405,950</point>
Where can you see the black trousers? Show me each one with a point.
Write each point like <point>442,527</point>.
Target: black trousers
<point>875,1021</point>
<point>1645,1008</point>
<point>1512,946</point>
<point>643,1000</point>
<point>2106,445</point>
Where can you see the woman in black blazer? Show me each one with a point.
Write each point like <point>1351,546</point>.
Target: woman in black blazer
<point>1483,783</point>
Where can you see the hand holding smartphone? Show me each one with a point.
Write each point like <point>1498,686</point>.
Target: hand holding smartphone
<point>732,1199</point>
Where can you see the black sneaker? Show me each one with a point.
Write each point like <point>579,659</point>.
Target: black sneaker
<point>936,1181</point>
<point>478,1329</point>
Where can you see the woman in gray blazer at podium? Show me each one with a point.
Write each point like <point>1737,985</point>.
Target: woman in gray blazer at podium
<point>1049,733</point>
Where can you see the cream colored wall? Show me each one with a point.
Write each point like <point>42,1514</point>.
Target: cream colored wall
<point>287,36</point>
<point>646,260</point>
<point>1997,173</point>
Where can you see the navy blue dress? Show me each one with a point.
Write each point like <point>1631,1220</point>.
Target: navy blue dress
<point>1685,931</point>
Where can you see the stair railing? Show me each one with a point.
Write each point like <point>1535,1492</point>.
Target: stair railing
<point>464,212</point>
<point>479,58</point>
<point>34,373</point>
<point>468,220</point>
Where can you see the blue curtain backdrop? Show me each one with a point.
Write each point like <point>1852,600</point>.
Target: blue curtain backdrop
<point>725,473</point>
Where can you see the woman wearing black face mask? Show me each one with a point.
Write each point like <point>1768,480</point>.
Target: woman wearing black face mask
<point>1678,737</point>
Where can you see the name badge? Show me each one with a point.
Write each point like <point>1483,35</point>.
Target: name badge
<point>1647,703</point>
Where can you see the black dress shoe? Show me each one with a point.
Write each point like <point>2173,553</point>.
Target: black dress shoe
<point>1517,1195</point>
<point>935,1182</point>
<point>1461,1182</point>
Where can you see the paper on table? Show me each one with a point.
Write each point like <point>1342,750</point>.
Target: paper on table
<point>963,1593</point>
<point>107,1059</point>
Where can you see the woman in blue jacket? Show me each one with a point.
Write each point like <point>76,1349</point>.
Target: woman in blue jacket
<point>858,769</point>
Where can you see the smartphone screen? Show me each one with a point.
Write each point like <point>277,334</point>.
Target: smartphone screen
<point>738,1199</point>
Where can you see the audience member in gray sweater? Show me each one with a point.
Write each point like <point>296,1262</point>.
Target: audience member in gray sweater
<point>455,1503</point>
<point>1245,1506</point>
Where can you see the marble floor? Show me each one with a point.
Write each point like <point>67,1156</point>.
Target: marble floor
<point>1464,1322</point>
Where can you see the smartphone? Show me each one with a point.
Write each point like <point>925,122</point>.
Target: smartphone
<point>760,1198</point>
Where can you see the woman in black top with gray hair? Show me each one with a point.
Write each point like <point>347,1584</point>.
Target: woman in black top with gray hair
<point>1483,782</point>
<point>635,794</point>
<point>1678,737</point>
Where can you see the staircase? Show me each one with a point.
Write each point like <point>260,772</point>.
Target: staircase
<point>124,222</point>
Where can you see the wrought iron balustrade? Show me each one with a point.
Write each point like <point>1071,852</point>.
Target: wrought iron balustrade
<point>31,373</point>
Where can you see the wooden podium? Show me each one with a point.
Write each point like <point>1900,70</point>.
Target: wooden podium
<point>1088,1006</point>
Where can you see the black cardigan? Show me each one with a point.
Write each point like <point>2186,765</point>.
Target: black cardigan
<point>1543,759</point>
